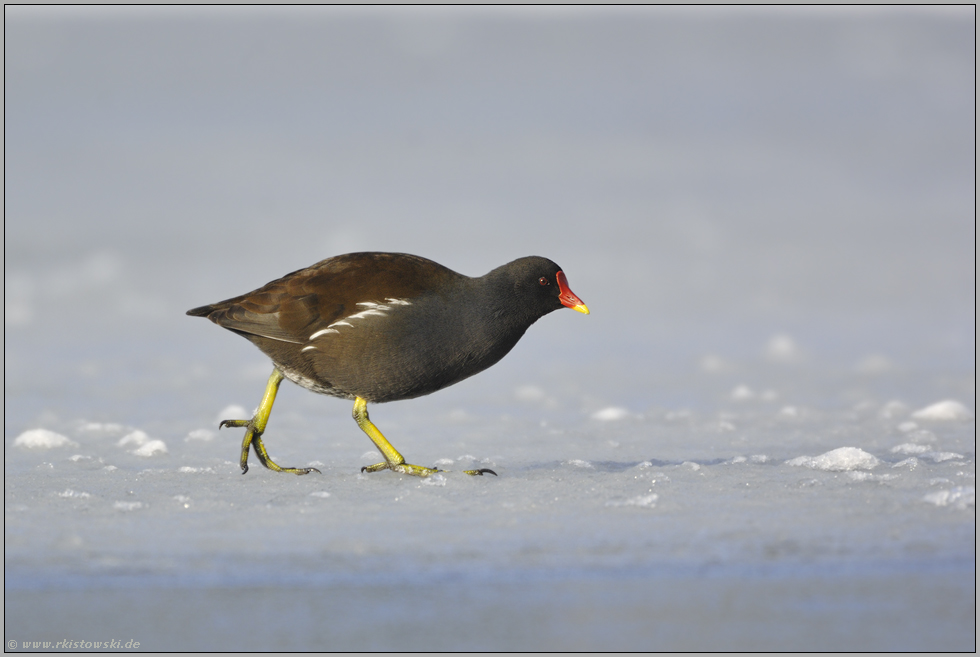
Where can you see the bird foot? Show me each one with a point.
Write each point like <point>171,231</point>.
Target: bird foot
<point>253,439</point>
<point>402,468</point>
<point>418,470</point>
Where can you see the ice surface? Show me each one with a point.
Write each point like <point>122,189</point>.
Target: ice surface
<point>769,215</point>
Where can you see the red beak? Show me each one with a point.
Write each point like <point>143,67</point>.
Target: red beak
<point>567,297</point>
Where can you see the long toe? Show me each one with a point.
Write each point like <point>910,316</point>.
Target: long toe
<point>402,468</point>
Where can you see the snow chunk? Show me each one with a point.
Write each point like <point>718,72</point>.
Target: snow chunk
<point>42,439</point>
<point>782,349</point>
<point>909,448</point>
<point>867,476</point>
<point>435,480</point>
<point>838,460</point>
<point>74,493</point>
<point>712,363</point>
<point>320,493</point>
<point>200,434</point>
<point>921,436</point>
<point>191,470</point>
<point>939,457</point>
<point>646,501</point>
<point>529,393</point>
<point>145,446</point>
<point>136,437</point>
<point>101,427</point>
<point>579,463</point>
<point>233,412</point>
<point>894,408</point>
<point>960,497</point>
<point>874,364</point>
<point>127,506</point>
<point>611,414</point>
<point>151,448</point>
<point>742,393</point>
<point>948,409</point>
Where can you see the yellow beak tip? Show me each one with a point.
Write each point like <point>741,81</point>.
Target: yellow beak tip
<point>582,308</point>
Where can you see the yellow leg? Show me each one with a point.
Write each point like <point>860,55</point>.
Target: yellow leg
<point>255,427</point>
<point>393,460</point>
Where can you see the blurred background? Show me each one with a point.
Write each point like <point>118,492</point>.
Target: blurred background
<point>728,189</point>
<point>707,177</point>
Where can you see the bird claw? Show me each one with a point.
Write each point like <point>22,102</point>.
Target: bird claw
<point>480,472</point>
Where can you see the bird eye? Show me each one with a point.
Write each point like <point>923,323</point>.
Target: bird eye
<point>542,281</point>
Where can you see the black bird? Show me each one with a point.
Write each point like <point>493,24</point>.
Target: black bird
<point>378,327</point>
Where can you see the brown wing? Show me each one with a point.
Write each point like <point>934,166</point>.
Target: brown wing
<point>297,305</point>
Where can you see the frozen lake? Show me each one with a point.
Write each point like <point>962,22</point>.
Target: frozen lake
<point>762,438</point>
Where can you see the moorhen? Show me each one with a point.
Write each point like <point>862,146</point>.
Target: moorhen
<point>377,327</point>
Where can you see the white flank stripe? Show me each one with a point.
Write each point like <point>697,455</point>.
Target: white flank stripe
<point>371,308</point>
<point>323,332</point>
<point>367,313</point>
